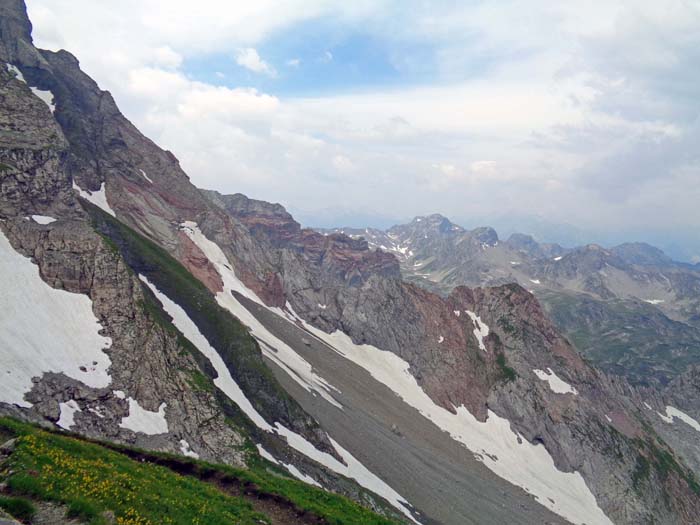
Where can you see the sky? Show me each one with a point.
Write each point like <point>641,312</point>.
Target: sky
<point>575,121</point>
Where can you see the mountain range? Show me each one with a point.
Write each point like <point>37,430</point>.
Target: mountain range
<point>419,380</point>
<point>629,309</point>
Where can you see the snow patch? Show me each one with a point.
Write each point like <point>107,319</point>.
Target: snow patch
<point>666,418</point>
<point>14,69</point>
<point>43,219</point>
<point>46,96</point>
<point>301,476</point>
<point>654,301</point>
<point>97,411</point>
<point>276,350</point>
<point>119,394</point>
<point>514,263</point>
<point>146,176</point>
<point>558,258</point>
<point>672,412</point>
<point>67,418</point>
<point>265,454</point>
<point>535,281</point>
<point>44,330</point>
<point>441,339</point>
<point>351,469</point>
<point>647,405</point>
<point>322,306</point>
<point>493,442</point>
<point>145,421</point>
<point>187,451</point>
<point>481,330</point>
<point>457,312</point>
<point>608,418</point>
<point>556,384</point>
<point>98,198</point>
<point>291,468</point>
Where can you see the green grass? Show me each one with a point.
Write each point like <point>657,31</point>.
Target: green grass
<point>506,372</point>
<point>90,479</point>
<point>198,381</point>
<point>151,488</point>
<point>18,508</point>
<point>652,456</point>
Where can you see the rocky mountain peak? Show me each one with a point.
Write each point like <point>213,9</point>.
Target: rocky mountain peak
<point>524,242</point>
<point>485,235</point>
<point>14,23</point>
<point>16,36</point>
<point>641,253</point>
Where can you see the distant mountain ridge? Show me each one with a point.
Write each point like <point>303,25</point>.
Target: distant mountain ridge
<point>630,308</point>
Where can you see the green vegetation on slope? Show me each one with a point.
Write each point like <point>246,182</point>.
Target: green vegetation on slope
<point>18,508</point>
<point>224,332</point>
<point>143,488</point>
<point>90,479</point>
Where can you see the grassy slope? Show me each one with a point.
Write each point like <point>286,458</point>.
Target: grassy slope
<point>151,488</point>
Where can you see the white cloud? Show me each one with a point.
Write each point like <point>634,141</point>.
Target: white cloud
<point>165,56</point>
<point>293,62</point>
<point>250,59</point>
<point>342,163</point>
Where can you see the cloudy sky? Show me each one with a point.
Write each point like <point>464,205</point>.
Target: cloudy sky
<point>576,120</point>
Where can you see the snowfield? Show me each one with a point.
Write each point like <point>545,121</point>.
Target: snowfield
<point>44,330</point>
<point>556,384</point>
<point>224,381</point>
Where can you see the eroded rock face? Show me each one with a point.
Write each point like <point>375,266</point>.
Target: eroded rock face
<point>148,363</point>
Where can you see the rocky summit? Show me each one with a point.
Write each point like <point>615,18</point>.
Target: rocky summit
<point>423,374</point>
